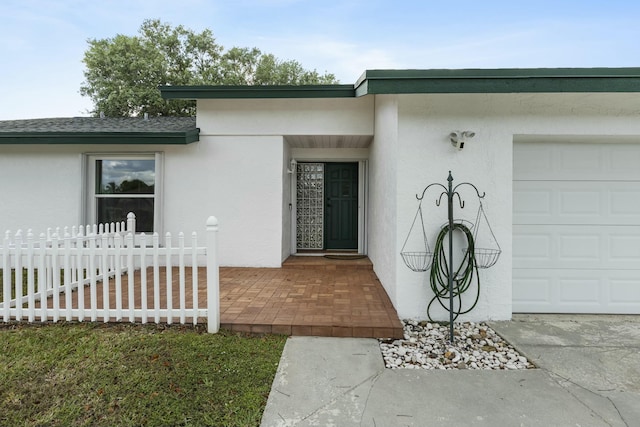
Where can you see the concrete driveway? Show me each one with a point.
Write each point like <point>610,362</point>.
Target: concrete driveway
<point>596,359</point>
<point>589,375</point>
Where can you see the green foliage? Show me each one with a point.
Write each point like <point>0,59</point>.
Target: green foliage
<point>123,73</point>
<point>105,375</point>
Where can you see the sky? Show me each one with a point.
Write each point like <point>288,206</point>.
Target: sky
<point>42,42</point>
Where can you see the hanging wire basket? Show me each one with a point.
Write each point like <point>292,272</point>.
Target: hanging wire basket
<point>484,257</point>
<point>417,261</point>
<point>420,256</point>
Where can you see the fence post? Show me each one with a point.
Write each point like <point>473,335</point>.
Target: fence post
<point>213,277</point>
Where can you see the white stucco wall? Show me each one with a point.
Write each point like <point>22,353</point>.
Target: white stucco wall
<point>425,155</point>
<point>39,187</point>
<point>383,194</point>
<point>239,180</point>
<point>344,116</point>
<point>286,200</point>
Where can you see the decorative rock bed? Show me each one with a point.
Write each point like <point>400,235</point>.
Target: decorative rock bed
<point>425,346</point>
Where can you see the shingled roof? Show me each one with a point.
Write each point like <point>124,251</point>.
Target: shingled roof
<point>97,130</point>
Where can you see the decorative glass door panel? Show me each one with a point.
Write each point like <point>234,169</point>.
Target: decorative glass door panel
<point>310,205</point>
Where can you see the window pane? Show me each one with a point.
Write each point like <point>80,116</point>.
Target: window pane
<point>125,176</point>
<point>115,209</point>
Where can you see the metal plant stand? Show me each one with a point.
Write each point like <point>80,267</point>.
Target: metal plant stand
<point>450,191</point>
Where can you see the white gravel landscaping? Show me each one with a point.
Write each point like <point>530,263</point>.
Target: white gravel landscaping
<point>425,346</point>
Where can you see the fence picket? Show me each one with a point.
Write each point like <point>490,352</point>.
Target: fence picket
<point>42,277</point>
<point>55,277</point>
<point>30,279</point>
<point>79,245</point>
<point>105,277</point>
<point>156,277</point>
<point>93,269</point>
<point>130,276</point>
<point>6,277</point>
<point>169,276</point>
<point>67,275</point>
<point>181,274</point>
<point>143,275</point>
<point>194,276</point>
<point>36,272</point>
<point>117,242</point>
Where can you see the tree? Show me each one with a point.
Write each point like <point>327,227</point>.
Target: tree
<point>123,73</point>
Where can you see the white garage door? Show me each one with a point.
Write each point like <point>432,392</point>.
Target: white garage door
<point>576,232</point>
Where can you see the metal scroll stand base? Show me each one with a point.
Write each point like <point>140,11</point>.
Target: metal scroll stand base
<point>450,191</point>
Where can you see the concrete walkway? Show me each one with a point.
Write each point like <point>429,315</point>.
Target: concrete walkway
<point>589,375</point>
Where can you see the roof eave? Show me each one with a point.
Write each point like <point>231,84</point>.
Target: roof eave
<point>257,92</point>
<point>530,80</point>
<point>100,138</point>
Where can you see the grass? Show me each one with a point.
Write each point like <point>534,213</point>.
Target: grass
<point>71,374</point>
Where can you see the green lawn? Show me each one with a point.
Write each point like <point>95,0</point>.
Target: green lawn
<point>108,375</point>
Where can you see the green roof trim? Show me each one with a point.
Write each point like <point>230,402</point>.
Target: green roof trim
<point>507,80</point>
<point>257,92</point>
<point>99,138</point>
<point>101,131</point>
<point>501,80</point>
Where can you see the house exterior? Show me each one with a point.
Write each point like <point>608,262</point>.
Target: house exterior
<point>317,169</point>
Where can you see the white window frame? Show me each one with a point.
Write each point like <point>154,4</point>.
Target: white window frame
<point>89,214</point>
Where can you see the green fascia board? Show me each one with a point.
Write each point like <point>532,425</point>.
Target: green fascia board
<point>501,80</point>
<point>257,92</point>
<point>101,138</point>
<point>520,80</point>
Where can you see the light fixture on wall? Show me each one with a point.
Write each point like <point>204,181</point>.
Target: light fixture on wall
<point>459,137</point>
<point>292,164</point>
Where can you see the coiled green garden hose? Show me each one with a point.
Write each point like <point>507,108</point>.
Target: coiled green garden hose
<point>463,277</point>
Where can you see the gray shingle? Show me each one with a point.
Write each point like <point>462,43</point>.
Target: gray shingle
<point>96,124</point>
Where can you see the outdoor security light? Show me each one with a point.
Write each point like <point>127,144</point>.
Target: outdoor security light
<point>458,138</point>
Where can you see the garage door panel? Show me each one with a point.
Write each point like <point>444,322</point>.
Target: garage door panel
<point>583,290</point>
<point>575,161</point>
<point>576,291</point>
<point>624,247</point>
<point>576,202</point>
<point>580,249</point>
<point>530,161</point>
<point>624,292</point>
<point>531,289</point>
<point>531,203</point>
<point>579,246</point>
<point>532,248</point>
<point>624,159</point>
<point>624,201</point>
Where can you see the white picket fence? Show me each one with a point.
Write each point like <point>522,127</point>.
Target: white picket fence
<point>62,268</point>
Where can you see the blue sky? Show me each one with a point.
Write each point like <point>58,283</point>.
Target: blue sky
<point>42,42</point>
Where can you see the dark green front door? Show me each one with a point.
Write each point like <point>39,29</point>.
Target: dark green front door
<point>341,206</point>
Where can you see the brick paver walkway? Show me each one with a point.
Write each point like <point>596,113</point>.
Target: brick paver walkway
<point>308,296</point>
